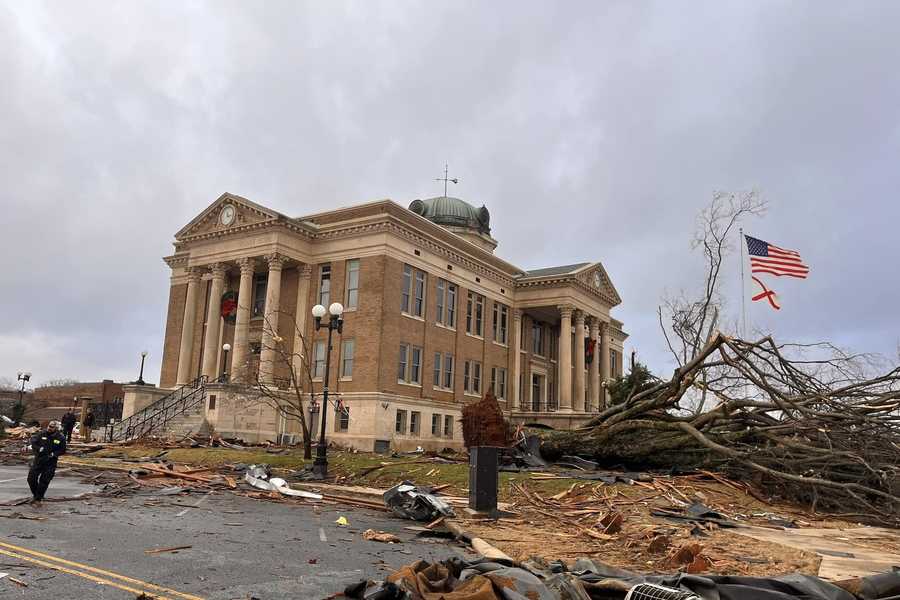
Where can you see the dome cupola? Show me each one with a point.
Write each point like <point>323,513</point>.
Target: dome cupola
<point>458,216</point>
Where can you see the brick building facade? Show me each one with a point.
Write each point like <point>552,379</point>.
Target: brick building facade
<point>432,320</point>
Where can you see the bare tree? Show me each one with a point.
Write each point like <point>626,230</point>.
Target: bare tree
<point>58,382</point>
<point>288,396</point>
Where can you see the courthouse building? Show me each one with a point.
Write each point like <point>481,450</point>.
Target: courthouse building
<point>433,319</point>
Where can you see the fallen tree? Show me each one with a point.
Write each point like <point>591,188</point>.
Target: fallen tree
<point>807,421</point>
<point>811,429</point>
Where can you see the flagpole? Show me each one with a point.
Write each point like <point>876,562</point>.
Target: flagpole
<point>742,243</point>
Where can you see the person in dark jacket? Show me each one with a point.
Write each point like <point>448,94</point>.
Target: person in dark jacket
<point>87,425</point>
<point>46,446</point>
<point>68,424</point>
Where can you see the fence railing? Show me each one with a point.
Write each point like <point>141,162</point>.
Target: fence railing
<point>157,415</point>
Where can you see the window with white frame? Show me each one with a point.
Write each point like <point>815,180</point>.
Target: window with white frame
<point>351,295</point>
<point>448,426</point>
<point>325,285</point>
<point>415,422</point>
<point>498,382</point>
<point>443,370</point>
<point>343,418</point>
<point>319,359</point>
<point>435,424</point>
<point>501,318</point>
<point>613,364</point>
<point>446,303</point>
<point>400,423</point>
<point>348,348</point>
<point>475,314</point>
<point>409,368</point>
<point>412,298</point>
<point>472,377</point>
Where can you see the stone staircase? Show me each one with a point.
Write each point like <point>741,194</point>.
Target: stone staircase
<point>191,421</point>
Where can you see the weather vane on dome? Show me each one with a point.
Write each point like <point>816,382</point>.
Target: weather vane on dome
<point>445,179</point>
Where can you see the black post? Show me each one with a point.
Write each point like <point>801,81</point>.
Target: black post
<point>225,367</point>
<point>140,379</point>
<point>320,464</point>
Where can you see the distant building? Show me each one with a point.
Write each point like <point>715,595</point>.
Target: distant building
<point>52,402</point>
<point>433,319</point>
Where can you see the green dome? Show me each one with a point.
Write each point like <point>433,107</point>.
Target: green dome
<point>453,212</point>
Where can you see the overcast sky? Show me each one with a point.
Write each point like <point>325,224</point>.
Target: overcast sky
<point>592,131</point>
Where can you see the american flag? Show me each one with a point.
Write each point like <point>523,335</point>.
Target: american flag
<point>766,258</point>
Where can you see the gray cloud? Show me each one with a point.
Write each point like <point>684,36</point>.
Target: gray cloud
<point>591,131</point>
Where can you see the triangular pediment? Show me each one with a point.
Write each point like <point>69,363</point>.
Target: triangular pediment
<point>229,211</point>
<point>595,277</point>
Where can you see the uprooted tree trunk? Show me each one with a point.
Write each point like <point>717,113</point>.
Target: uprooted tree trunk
<point>815,430</point>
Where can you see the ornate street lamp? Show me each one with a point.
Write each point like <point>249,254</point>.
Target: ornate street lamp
<point>224,377</point>
<point>335,322</point>
<point>140,379</point>
<point>22,376</point>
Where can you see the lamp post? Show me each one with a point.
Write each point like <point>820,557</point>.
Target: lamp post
<point>140,379</point>
<point>335,322</point>
<point>224,377</point>
<point>22,376</point>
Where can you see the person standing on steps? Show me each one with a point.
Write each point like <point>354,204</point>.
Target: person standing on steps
<point>87,425</point>
<point>46,446</point>
<point>68,424</point>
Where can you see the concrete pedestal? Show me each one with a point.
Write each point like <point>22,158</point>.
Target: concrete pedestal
<point>484,479</point>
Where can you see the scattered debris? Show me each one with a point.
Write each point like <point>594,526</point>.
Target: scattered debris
<point>259,477</point>
<point>162,550</point>
<point>380,536</point>
<point>412,502</point>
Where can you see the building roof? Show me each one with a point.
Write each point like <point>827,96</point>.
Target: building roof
<point>454,212</point>
<point>552,271</point>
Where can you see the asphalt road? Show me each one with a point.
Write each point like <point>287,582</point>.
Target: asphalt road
<point>241,547</point>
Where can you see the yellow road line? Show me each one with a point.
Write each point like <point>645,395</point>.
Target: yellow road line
<point>98,571</point>
<point>93,578</point>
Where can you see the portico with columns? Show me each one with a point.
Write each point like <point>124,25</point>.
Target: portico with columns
<point>521,333</point>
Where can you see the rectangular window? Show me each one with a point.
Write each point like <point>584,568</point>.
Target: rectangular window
<point>498,382</point>
<point>521,388</point>
<point>258,307</point>
<point>437,370</point>
<point>551,396</point>
<point>475,314</point>
<point>554,343</point>
<point>472,377</point>
<point>325,285</point>
<point>446,303</point>
<point>409,369</point>
<point>501,316</point>
<point>537,338</point>
<point>347,350</point>
<point>319,355</point>
<point>400,425</point>
<point>613,364</point>
<point>522,334</point>
<point>536,393</point>
<point>435,424</point>
<point>415,422</point>
<point>343,418</point>
<point>404,361</point>
<point>351,299</point>
<point>412,293</point>
<point>448,371</point>
<point>212,402</point>
<point>448,426</point>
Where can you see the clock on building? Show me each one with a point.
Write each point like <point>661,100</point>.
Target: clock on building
<point>226,217</point>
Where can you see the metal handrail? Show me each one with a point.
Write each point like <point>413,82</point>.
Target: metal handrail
<point>162,411</point>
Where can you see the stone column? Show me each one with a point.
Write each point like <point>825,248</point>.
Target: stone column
<point>565,358</point>
<point>213,322</point>
<point>595,365</point>
<point>300,320</point>
<point>578,400</point>
<point>187,328</point>
<point>604,363</point>
<point>270,325</point>
<point>514,343</point>
<point>241,351</point>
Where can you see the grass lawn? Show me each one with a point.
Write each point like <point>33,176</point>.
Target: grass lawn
<point>343,465</point>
